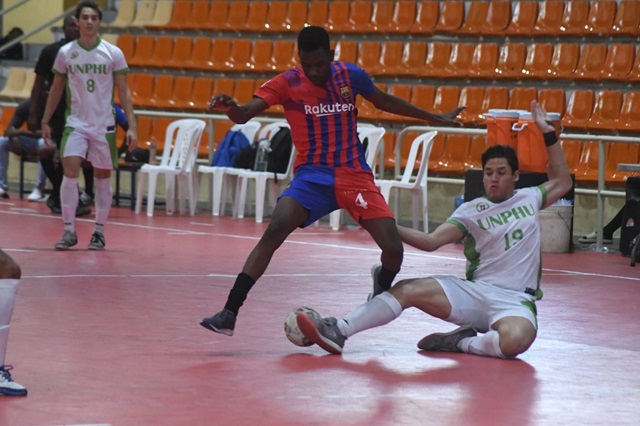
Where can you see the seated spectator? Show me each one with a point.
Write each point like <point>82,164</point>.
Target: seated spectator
<point>21,142</point>
<point>15,51</point>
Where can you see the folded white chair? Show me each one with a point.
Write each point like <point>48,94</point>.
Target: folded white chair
<point>219,174</point>
<point>416,183</point>
<point>262,178</point>
<point>373,135</point>
<point>182,139</point>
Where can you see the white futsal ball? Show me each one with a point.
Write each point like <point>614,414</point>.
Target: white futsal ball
<point>291,329</point>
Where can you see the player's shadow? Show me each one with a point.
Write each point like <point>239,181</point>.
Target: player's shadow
<point>504,391</point>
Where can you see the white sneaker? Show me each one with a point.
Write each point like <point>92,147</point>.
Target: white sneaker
<point>3,193</point>
<point>7,385</point>
<point>591,238</point>
<point>35,195</point>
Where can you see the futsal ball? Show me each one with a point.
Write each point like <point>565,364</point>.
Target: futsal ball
<point>291,329</point>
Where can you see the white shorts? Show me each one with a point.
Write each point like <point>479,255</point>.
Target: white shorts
<point>100,150</point>
<point>479,304</point>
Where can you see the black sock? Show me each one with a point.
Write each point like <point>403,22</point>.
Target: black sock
<point>386,277</point>
<point>239,292</point>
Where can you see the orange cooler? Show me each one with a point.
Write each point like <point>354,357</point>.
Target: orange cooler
<point>532,153</point>
<point>500,127</point>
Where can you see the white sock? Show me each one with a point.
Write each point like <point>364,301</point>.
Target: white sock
<point>380,310</point>
<point>69,202</point>
<point>487,344</point>
<point>103,199</point>
<point>8,291</point>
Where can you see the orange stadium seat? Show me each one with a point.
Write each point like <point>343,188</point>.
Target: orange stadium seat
<point>276,18</point>
<point>572,150</point>
<point>182,51</point>
<point>240,55</point>
<point>629,119</point>
<point>423,96</point>
<point>553,100</point>
<point>606,111</point>
<point>143,51</point>
<point>282,55</point>
<point>426,17</point>
<point>477,147</point>
<point>413,58</point>
<point>564,60</point>
<point>403,16</point>
<point>436,156</point>
<point>346,50</point>
<point>217,17</point>
<point>360,12</point>
<point>142,91</point>
<point>198,16</point>
<point>475,19</point>
<point>237,15</point>
<point>437,60</point>
<point>369,56</point>
<point>634,74</point>
<point>591,62</point>
<point>257,16</point>
<point>243,90</point>
<point>338,16</point>
<point>202,94</point>
<point>483,63</point>
<point>498,18</point>
<point>627,19</point>
<point>619,153</point>
<point>450,18</point>
<point>619,61</point>
<point>260,59</point>
<point>145,125</point>
<point>511,60</point>
<point>523,18</point>
<point>296,16</point>
<point>574,17</point>
<point>318,13</point>
<point>402,91</point>
<point>455,155</point>
<point>382,15</point>
<point>221,53</point>
<point>538,61</point>
<point>601,16</point>
<point>162,92</point>
<point>587,169</point>
<point>127,43</point>
<point>224,85</point>
<point>201,58</point>
<point>549,18</point>
<point>446,99</point>
<point>460,60</point>
<point>162,52</point>
<point>495,97</point>
<point>472,97</point>
<point>391,59</point>
<point>521,97</point>
<point>180,15</point>
<point>579,108</point>
<point>182,93</point>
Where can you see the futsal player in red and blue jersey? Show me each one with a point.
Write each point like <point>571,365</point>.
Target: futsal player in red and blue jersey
<point>319,100</point>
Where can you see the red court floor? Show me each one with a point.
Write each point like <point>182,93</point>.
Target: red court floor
<point>112,338</point>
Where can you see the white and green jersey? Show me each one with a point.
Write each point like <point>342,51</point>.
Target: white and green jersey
<point>90,83</point>
<point>502,240</point>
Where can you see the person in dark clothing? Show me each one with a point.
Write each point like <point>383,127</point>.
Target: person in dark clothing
<point>14,52</point>
<point>44,78</point>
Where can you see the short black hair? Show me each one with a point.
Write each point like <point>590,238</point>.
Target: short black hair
<point>501,151</point>
<point>90,4</point>
<point>313,38</point>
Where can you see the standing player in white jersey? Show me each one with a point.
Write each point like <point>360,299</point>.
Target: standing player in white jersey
<point>88,69</point>
<point>502,245</point>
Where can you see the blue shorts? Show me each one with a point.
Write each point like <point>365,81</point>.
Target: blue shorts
<point>322,190</point>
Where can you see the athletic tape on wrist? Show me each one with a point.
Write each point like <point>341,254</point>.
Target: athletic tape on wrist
<point>550,138</point>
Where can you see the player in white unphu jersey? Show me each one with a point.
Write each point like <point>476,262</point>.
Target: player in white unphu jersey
<point>502,246</point>
<point>88,69</point>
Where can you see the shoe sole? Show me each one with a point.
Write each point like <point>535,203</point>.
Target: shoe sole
<point>13,392</point>
<point>96,248</point>
<point>209,327</point>
<point>605,241</point>
<point>308,328</point>
<point>468,332</point>
<point>64,248</point>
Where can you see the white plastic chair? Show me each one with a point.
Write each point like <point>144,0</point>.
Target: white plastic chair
<point>417,183</point>
<point>250,129</point>
<point>373,135</point>
<point>262,178</point>
<point>178,163</point>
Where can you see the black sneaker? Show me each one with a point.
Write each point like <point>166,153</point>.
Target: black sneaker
<point>82,210</point>
<point>223,322</point>
<point>7,385</point>
<point>375,274</point>
<point>446,342</point>
<point>97,241</point>
<point>54,206</point>
<point>68,240</point>
<point>323,332</point>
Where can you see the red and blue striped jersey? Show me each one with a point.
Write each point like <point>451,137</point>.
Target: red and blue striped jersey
<point>323,119</point>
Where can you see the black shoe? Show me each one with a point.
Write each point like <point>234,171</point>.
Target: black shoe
<point>54,206</point>
<point>82,210</point>
<point>223,322</point>
<point>446,342</point>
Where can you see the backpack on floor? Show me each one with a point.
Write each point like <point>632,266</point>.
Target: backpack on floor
<point>229,149</point>
<point>281,146</point>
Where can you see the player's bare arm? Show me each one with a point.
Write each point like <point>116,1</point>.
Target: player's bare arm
<point>239,114</point>
<point>396,105</point>
<point>444,234</point>
<point>559,182</point>
<point>131,138</point>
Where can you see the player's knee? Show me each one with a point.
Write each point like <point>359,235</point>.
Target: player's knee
<point>413,292</point>
<point>516,338</point>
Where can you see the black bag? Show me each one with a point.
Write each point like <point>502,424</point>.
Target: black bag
<point>281,145</point>
<point>138,155</point>
<point>630,227</point>
<point>247,157</point>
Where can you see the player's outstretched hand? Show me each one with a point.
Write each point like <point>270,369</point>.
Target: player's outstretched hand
<point>541,118</point>
<point>221,103</point>
<point>449,118</point>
